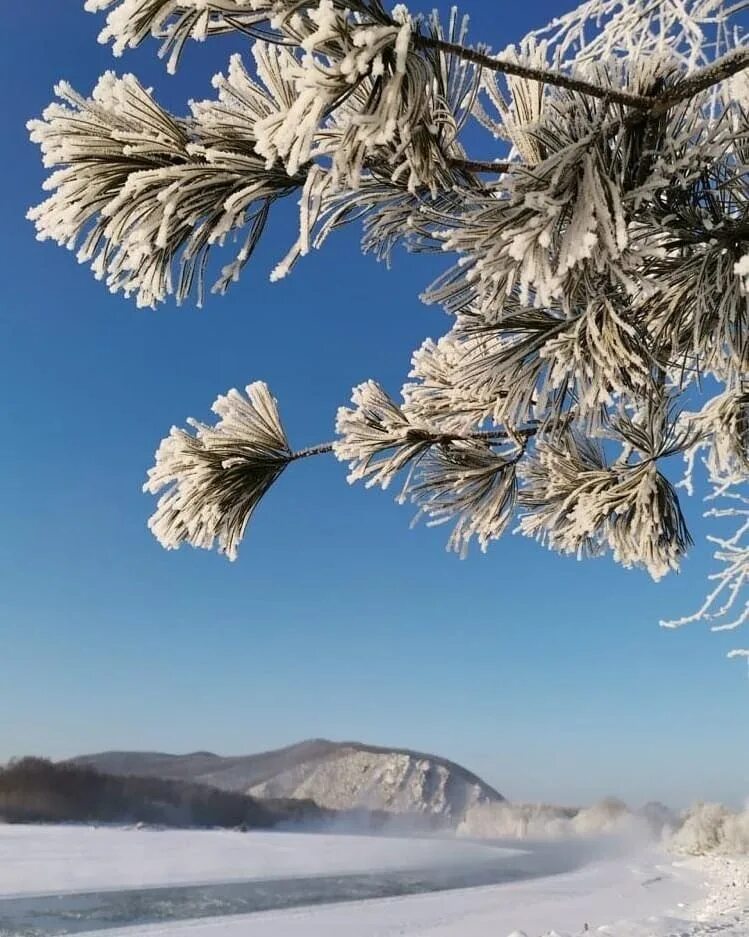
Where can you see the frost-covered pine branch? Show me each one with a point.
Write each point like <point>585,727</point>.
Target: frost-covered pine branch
<point>129,22</point>
<point>143,195</point>
<point>598,281</point>
<point>727,603</point>
<point>215,477</point>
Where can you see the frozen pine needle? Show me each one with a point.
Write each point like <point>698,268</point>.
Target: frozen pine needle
<point>598,275</point>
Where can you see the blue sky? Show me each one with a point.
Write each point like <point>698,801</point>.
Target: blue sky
<point>549,677</point>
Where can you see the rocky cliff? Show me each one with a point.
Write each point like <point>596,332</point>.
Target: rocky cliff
<point>403,782</point>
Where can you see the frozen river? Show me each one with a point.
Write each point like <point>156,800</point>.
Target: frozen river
<point>47,915</point>
<point>59,880</point>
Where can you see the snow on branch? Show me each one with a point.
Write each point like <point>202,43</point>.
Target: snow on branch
<point>695,32</point>
<point>466,478</point>
<point>215,477</point>
<point>576,503</point>
<point>553,227</point>
<point>136,189</point>
<point>724,438</point>
<point>441,391</point>
<point>599,275</point>
<point>727,605</point>
<point>129,22</point>
<point>366,99</point>
<point>377,438</point>
<point>471,483</point>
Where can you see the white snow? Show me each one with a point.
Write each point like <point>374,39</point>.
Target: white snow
<point>639,893</point>
<point>50,859</point>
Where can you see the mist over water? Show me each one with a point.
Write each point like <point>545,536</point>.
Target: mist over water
<point>606,827</point>
<point>452,865</point>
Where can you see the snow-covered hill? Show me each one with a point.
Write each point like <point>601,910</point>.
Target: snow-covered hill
<point>336,775</point>
<point>398,782</point>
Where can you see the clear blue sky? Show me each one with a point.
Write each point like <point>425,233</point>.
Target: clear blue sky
<point>549,677</point>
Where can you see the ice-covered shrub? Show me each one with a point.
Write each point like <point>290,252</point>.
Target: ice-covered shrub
<point>544,821</point>
<point>506,820</point>
<point>712,828</point>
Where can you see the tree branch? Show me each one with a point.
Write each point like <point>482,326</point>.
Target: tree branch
<point>322,449</point>
<point>484,60</point>
<point>545,76</point>
<point>488,435</point>
<point>705,78</point>
<point>483,165</point>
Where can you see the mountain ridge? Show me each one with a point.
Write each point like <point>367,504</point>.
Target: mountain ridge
<point>335,775</point>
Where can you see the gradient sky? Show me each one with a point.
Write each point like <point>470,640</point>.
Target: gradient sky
<point>548,676</point>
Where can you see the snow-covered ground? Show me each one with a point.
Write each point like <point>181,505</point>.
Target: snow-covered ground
<point>646,897</point>
<point>640,892</point>
<point>50,859</point>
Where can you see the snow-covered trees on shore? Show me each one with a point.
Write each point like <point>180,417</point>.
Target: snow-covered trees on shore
<point>599,290</point>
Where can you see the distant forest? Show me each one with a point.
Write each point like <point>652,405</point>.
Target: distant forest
<point>35,790</point>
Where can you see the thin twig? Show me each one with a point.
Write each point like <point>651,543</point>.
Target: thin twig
<point>483,165</point>
<point>489,435</point>
<point>322,449</point>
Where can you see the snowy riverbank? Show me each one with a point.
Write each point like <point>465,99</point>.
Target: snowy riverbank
<point>638,892</point>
